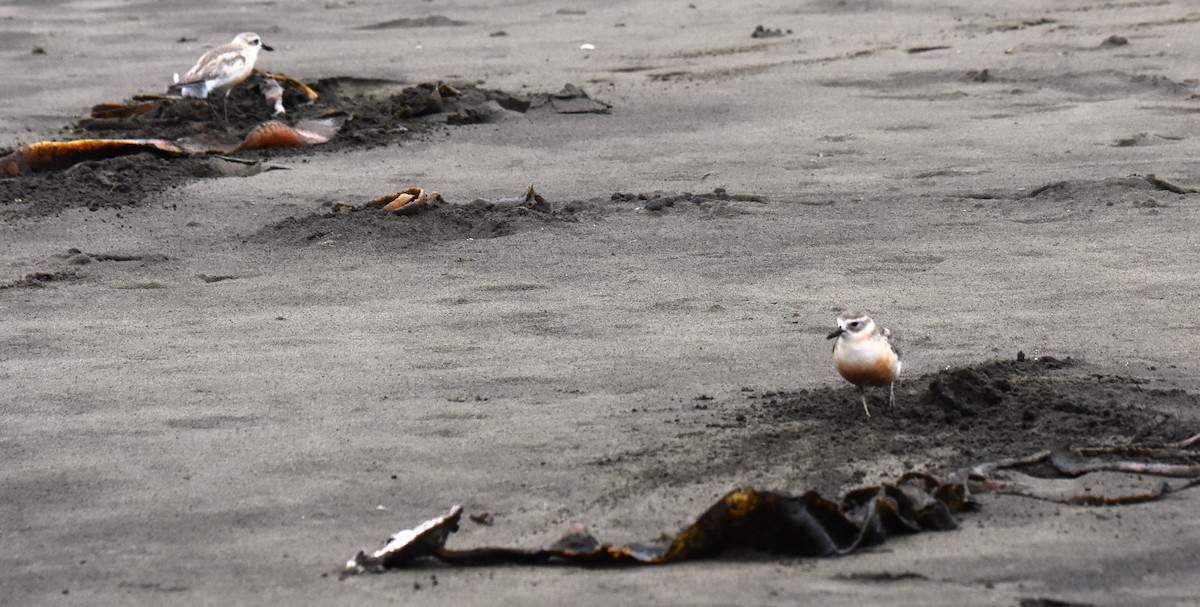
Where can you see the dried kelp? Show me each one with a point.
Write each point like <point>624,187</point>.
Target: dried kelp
<point>109,111</point>
<point>808,525</point>
<point>292,82</point>
<point>49,156</point>
<point>46,156</point>
<point>58,155</point>
<point>1179,460</point>
<point>414,200</point>
<point>406,201</point>
<point>348,112</point>
<point>530,200</point>
<point>167,125</point>
<point>275,134</point>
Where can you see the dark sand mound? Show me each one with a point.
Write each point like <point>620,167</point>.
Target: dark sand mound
<point>490,219</point>
<point>969,415</point>
<point>437,223</point>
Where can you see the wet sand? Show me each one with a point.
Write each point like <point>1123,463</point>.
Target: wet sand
<point>215,390</point>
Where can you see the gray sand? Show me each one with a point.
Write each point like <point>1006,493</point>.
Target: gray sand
<point>169,440</point>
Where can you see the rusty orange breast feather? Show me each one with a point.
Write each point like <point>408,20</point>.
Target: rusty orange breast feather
<point>880,372</point>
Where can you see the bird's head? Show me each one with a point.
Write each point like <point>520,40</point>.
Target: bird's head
<point>251,40</point>
<point>853,324</point>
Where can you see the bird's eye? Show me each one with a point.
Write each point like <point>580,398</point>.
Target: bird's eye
<point>854,325</point>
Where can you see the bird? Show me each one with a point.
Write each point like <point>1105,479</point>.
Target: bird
<point>864,354</point>
<point>221,69</point>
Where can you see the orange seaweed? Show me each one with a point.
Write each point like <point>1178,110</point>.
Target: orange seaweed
<point>275,134</point>
<point>296,84</point>
<point>59,155</point>
<point>407,199</point>
<point>400,201</point>
<point>122,110</point>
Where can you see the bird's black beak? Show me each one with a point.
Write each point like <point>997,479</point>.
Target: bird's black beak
<point>836,332</point>
<point>267,48</point>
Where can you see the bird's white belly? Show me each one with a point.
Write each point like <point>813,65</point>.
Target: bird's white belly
<point>198,90</point>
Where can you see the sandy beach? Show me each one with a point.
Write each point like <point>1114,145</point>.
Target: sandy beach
<point>218,382</point>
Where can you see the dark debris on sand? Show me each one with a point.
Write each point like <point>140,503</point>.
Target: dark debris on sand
<point>378,113</point>
<point>435,223</point>
<point>971,414</point>
<point>453,220</point>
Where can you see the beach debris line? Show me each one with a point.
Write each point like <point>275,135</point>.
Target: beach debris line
<point>810,525</point>
<point>529,200</point>
<point>659,200</point>
<point>49,156</point>
<point>1040,475</point>
<point>58,155</point>
<point>408,200</point>
<point>169,125</point>
<point>1130,181</point>
<point>806,525</point>
<point>414,22</point>
<point>763,32</point>
<point>46,156</point>
<point>414,200</point>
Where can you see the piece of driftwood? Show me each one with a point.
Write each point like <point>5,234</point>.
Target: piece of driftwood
<point>1172,460</point>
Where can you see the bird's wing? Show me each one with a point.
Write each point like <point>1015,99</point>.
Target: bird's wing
<point>216,64</point>
<point>887,334</point>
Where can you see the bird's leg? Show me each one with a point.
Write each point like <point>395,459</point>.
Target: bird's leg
<point>892,394</point>
<point>862,392</point>
<point>211,109</point>
<point>226,110</point>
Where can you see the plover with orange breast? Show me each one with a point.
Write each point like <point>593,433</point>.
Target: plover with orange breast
<point>864,355</point>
